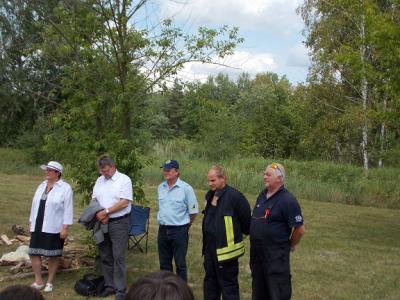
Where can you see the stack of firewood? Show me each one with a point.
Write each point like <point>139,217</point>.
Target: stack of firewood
<point>73,256</point>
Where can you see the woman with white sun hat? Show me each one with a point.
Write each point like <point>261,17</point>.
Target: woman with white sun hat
<point>51,214</point>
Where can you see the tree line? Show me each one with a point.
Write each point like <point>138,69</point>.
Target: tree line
<point>82,77</point>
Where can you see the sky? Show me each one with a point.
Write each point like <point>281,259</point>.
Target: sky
<point>271,29</point>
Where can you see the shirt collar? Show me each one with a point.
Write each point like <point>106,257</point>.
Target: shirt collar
<point>59,182</point>
<point>114,177</point>
<point>177,183</point>
<point>276,193</point>
<point>220,192</point>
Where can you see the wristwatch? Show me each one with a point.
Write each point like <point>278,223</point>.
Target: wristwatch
<point>107,211</point>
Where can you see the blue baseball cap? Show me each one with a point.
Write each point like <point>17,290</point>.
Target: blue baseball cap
<point>169,164</point>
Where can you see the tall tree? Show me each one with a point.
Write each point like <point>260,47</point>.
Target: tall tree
<point>113,66</point>
<point>342,36</point>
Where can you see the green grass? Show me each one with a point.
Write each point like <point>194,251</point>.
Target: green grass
<point>348,252</point>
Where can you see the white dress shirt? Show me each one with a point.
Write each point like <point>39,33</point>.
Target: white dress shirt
<point>59,209</point>
<point>109,191</point>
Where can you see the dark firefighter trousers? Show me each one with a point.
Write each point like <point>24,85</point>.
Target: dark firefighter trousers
<point>270,271</point>
<point>220,278</point>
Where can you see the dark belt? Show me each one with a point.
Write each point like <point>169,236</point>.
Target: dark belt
<point>173,226</point>
<point>118,218</point>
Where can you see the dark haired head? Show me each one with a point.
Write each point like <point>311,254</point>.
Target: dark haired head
<point>161,285</point>
<point>105,160</point>
<point>20,292</point>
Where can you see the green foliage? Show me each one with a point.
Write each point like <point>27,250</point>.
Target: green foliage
<point>225,118</point>
<point>265,106</point>
<point>351,44</point>
<point>32,141</point>
<point>89,245</point>
<point>29,85</point>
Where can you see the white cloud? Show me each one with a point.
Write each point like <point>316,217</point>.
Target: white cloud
<point>271,29</point>
<point>277,16</point>
<point>239,62</point>
<point>298,56</point>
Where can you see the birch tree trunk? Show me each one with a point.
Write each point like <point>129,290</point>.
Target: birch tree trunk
<point>364,93</point>
<point>382,136</point>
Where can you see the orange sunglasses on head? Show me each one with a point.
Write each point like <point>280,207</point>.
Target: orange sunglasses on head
<point>275,166</point>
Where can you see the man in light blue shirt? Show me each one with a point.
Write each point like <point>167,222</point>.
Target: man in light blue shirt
<point>178,207</point>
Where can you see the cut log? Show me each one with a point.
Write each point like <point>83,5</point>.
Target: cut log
<point>18,268</point>
<point>65,263</point>
<point>5,239</point>
<point>8,263</point>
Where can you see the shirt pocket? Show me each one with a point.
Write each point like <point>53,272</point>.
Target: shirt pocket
<point>178,205</point>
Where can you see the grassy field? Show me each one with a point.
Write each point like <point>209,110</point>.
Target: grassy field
<point>349,252</point>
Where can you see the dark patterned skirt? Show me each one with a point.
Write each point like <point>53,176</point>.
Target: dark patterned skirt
<point>43,243</point>
<point>46,244</point>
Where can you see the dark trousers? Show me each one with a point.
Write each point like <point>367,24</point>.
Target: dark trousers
<point>220,278</point>
<point>270,272</point>
<point>112,255</point>
<point>173,244</point>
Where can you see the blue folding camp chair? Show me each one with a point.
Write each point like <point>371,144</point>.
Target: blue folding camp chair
<point>139,227</point>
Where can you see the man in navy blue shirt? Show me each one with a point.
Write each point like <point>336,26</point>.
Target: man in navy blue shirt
<point>276,228</point>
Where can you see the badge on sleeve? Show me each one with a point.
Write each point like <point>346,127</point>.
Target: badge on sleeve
<point>298,218</point>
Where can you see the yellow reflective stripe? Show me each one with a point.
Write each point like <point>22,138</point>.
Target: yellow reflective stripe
<point>230,236</point>
<point>230,248</point>
<point>230,255</point>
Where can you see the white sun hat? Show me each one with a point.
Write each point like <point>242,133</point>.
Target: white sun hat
<point>55,165</point>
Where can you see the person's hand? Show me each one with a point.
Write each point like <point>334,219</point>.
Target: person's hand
<point>105,220</point>
<point>102,216</point>
<point>64,233</point>
<point>292,248</point>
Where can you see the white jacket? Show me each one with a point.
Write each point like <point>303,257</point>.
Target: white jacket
<point>58,210</point>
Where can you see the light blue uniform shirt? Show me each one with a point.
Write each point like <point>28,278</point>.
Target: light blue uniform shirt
<point>175,204</point>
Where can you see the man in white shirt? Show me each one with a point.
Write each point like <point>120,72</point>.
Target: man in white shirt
<point>113,191</point>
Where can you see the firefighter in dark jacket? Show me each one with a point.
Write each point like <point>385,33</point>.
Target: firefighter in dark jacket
<point>227,217</point>
<point>276,229</point>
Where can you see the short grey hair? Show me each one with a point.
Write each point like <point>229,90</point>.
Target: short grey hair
<point>278,170</point>
<point>105,160</point>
